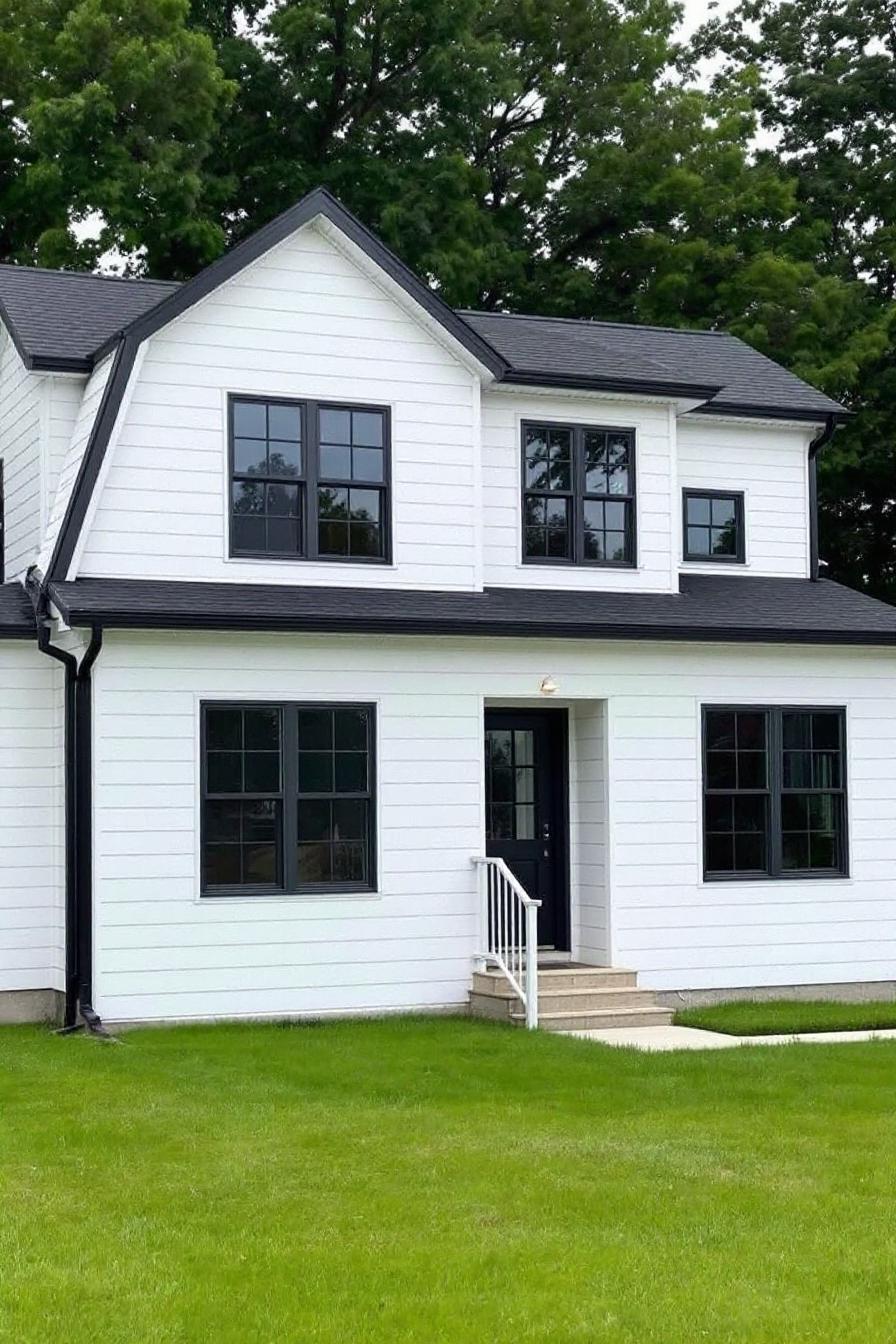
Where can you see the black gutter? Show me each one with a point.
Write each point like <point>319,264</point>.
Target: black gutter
<point>815,448</point>
<point>459,626</point>
<point>632,386</point>
<point>753,411</point>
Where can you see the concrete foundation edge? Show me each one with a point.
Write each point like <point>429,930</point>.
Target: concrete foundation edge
<point>30,1005</point>
<point>851,991</point>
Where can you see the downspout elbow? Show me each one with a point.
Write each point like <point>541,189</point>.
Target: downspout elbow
<point>815,447</point>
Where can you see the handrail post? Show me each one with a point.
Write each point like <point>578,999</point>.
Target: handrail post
<point>531,967</point>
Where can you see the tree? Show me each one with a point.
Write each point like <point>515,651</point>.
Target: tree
<point>824,73</point>
<point>109,110</point>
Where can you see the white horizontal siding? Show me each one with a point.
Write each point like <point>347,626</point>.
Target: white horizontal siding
<point>301,322</point>
<point>69,465</point>
<point>64,393</point>
<point>502,417</point>
<point>163,952</point>
<point>588,826</point>
<point>21,395</point>
<point>32,938</point>
<point>770,466</point>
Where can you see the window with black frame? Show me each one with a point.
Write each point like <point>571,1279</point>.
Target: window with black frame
<point>309,480</point>
<point>713,526</point>
<point>287,798</point>
<point>578,495</point>
<point>774,792</point>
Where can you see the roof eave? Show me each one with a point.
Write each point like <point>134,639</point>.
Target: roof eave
<point>752,411</point>
<point>162,618</point>
<point>647,386</point>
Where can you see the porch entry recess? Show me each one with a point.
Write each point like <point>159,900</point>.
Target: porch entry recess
<point>527,811</point>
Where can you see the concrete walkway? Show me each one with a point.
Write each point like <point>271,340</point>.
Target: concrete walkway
<point>690,1038</point>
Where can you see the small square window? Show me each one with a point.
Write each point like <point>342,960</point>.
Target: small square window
<point>713,526</point>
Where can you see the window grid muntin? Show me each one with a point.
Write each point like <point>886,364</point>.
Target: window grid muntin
<point>577,496</point>
<point>277,488</point>
<point>778,793</point>
<point>735,768</point>
<point>738,556</point>
<point>311,480</point>
<point>519,807</point>
<point>215,800</point>
<point>549,494</point>
<point>289,799</point>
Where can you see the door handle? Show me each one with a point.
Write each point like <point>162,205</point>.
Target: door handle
<point>546,831</point>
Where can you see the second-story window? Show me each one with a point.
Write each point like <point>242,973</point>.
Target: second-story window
<point>714,525</point>
<point>309,480</point>
<point>578,495</point>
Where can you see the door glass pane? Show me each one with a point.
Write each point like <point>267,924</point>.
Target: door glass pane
<point>510,784</point>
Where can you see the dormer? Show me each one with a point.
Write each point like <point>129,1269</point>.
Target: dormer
<point>308,412</point>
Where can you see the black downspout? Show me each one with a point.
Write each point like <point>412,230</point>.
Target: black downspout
<point>70,663</point>
<point>84,829</point>
<point>78,824</point>
<point>815,448</point>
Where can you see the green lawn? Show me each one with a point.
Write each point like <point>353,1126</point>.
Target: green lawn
<point>442,1180</point>
<point>788,1015</point>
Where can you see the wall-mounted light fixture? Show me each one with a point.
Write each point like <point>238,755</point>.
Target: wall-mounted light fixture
<point>548,686</point>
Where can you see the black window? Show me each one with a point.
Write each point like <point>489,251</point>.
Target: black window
<point>287,798</point>
<point>309,480</point>
<point>774,792</point>
<point>578,495</point>
<point>714,525</point>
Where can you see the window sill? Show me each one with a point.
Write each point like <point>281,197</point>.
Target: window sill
<point>568,566</point>
<point>331,891</point>
<point>726,560</point>
<point>773,880</point>
<point>257,558</point>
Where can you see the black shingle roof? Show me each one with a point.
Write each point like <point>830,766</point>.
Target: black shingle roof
<point>16,613</point>
<point>59,319</point>
<point>64,319</point>
<point>783,611</point>
<point>542,348</point>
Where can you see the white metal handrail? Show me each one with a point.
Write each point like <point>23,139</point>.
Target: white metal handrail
<point>510,931</point>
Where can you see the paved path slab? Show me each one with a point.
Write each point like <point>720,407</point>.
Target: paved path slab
<point>691,1038</point>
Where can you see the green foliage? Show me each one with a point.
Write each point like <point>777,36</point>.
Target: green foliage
<point>824,74</point>
<point>110,111</point>
<point>556,157</point>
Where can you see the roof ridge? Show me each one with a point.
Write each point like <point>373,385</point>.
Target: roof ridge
<point>593,322</point>
<point>85,275</point>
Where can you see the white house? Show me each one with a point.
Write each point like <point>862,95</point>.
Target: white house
<point>318,594</point>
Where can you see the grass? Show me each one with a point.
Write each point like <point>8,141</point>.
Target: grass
<point>442,1181</point>
<point>786,1016</point>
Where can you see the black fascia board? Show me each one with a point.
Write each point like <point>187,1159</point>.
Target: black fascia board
<point>317,202</point>
<point>92,460</point>
<point>648,386</point>
<point>753,411</point>
<point>14,335</point>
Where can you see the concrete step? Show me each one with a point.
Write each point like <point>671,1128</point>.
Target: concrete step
<point>593,1000</point>
<point>559,977</point>
<point>598,1021</point>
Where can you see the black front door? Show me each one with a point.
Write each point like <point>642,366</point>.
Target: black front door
<point>526,809</point>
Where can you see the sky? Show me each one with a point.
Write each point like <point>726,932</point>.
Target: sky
<point>696,11</point>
